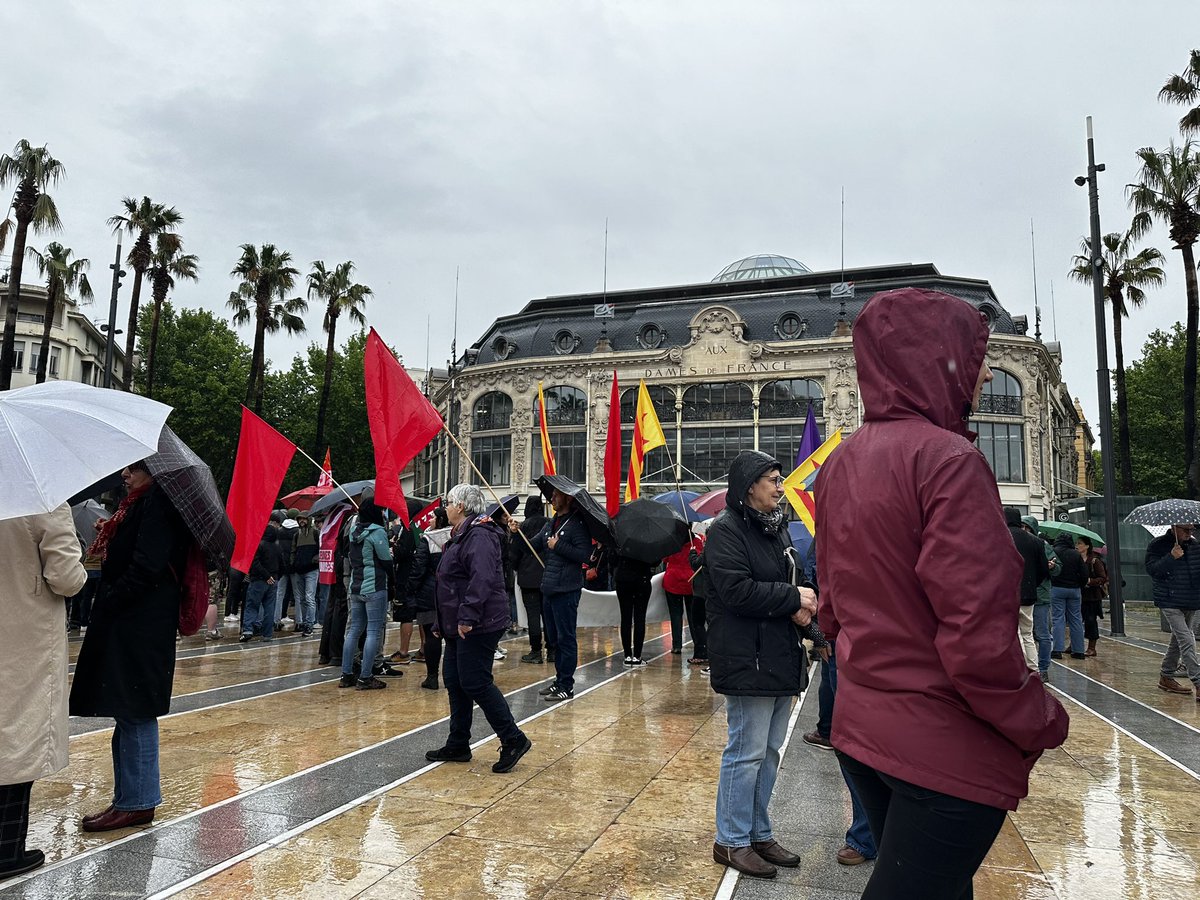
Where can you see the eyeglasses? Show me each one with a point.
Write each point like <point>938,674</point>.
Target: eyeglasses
<point>776,480</point>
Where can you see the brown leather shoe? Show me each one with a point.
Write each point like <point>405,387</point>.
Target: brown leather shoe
<point>775,854</point>
<point>1170,685</point>
<point>120,818</point>
<point>848,856</point>
<point>92,817</point>
<point>745,860</point>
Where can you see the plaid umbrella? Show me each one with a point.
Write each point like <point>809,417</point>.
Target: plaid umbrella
<point>187,480</point>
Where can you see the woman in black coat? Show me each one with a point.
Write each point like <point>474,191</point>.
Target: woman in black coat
<point>421,588</point>
<point>127,662</point>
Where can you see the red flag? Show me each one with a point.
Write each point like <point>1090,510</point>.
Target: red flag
<point>263,457</point>
<point>329,536</point>
<point>425,518</point>
<point>612,452</point>
<point>325,482</point>
<point>402,421</point>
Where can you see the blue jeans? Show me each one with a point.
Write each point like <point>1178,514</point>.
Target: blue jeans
<point>1067,604</point>
<point>1042,634</point>
<point>304,589</point>
<point>749,765</point>
<point>260,609</point>
<point>367,611</point>
<point>561,612</point>
<point>467,671</point>
<point>135,764</point>
<point>858,836</point>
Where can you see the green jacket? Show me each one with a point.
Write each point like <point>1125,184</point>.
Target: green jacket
<point>1043,590</point>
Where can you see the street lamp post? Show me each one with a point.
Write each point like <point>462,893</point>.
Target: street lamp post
<point>1103,378</point>
<point>118,273</point>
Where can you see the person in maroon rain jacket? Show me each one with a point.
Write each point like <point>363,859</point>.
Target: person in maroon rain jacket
<point>938,719</point>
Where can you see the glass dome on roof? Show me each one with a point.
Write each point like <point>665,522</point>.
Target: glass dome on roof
<point>767,265</point>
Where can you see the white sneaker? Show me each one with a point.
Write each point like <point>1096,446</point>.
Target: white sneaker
<point>500,653</point>
<point>287,620</point>
<point>233,618</point>
<point>627,661</point>
<point>637,661</point>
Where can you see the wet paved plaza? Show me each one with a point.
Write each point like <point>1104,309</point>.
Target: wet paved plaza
<point>277,784</point>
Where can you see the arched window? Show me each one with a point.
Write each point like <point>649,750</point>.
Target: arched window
<point>719,401</point>
<point>493,411</point>
<point>790,398</point>
<point>656,467</point>
<point>1002,395</point>
<point>565,405</point>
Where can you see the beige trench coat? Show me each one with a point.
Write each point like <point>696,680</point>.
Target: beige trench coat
<point>41,566</point>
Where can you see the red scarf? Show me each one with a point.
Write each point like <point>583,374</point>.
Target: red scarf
<point>99,548</point>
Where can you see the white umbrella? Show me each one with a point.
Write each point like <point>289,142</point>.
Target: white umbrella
<point>59,437</point>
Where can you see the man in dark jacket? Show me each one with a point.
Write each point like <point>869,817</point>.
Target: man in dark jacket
<point>564,545</point>
<point>303,577</point>
<point>529,572</point>
<point>1066,597</point>
<point>1173,561</point>
<point>755,656</point>
<point>260,597</point>
<point>1036,570</point>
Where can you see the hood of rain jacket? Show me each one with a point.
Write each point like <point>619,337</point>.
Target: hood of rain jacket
<point>932,684</point>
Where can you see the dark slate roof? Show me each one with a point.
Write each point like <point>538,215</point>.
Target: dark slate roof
<point>760,302</point>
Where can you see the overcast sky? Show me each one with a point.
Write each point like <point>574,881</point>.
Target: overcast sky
<point>497,136</point>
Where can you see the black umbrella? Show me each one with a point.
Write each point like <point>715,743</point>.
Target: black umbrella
<point>186,479</point>
<point>599,525</point>
<point>649,531</point>
<point>510,502</point>
<point>351,489</point>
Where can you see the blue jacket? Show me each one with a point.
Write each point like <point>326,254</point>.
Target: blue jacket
<point>470,578</point>
<point>1176,581</point>
<point>370,559</point>
<point>564,564</point>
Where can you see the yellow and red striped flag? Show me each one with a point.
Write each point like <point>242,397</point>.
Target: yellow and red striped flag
<point>548,467</point>
<point>647,434</point>
<point>798,487</point>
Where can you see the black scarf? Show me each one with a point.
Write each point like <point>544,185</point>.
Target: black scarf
<point>771,523</point>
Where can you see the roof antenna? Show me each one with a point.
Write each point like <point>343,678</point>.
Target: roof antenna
<point>842,291</point>
<point>1053,317</point>
<point>1037,310</point>
<point>428,375</point>
<point>602,311</point>
<point>843,244</point>
<point>454,334</point>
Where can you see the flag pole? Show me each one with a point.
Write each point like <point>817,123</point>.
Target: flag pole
<point>331,478</point>
<point>491,490</point>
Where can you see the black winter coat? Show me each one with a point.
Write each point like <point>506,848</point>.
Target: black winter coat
<point>564,564</point>
<point>127,662</point>
<point>528,570</point>
<point>422,577</point>
<point>1037,569</point>
<point>1072,572</point>
<point>754,650</point>
<point>287,544</point>
<point>268,559</point>
<point>1176,581</point>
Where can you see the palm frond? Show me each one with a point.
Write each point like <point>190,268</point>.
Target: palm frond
<point>45,214</point>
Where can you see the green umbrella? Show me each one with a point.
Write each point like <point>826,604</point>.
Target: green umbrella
<point>1056,528</point>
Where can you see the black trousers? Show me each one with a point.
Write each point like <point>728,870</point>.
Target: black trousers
<point>431,647</point>
<point>531,598</point>
<point>1091,610</point>
<point>14,820</point>
<point>634,597</point>
<point>333,633</point>
<point>80,606</point>
<point>675,604</point>
<point>930,844</point>
<point>468,677</point>
<point>697,610</point>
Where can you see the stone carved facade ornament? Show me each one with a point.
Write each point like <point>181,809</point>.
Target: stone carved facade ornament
<point>841,399</point>
<point>717,320</point>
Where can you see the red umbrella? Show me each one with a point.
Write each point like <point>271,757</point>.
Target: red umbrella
<point>711,503</point>
<point>304,498</point>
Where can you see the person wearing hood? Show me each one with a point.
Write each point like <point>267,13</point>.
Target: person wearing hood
<point>472,613</point>
<point>755,656</point>
<point>1042,631</point>
<point>529,571</point>
<point>1066,597</point>
<point>422,588</point>
<point>938,720</point>
<point>370,585</point>
<point>1036,570</point>
<point>259,614</point>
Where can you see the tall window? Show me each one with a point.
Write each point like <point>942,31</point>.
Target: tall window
<point>718,402</point>
<point>55,355</point>
<point>492,455</point>
<point>790,398</point>
<point>708,451</point>
<point>566,414</point>
<point>18,355</point>
<point>1002,395</point>
<point>656,468</point>
<point>493,411</point>
<point>1004,446</point>
<point>565,405</point>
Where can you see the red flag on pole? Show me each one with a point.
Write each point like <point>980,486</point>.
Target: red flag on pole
<point>325,482</point>
<point>402,421</point>
<point>612,452</point>
<point>263,457</point>
<point>425,518</point>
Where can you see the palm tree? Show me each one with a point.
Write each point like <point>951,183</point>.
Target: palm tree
<point>1183,89</point>
<point>340,296</point>
<point>168,263</point>
<point>1125,274</point>
<point>1167,191</point>
<point>63,275</point>
<point>267,278</point>
<point>32,170</point>
<point>145,219</point>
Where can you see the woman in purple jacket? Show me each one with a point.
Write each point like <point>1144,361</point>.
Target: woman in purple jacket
<point>472,613</point>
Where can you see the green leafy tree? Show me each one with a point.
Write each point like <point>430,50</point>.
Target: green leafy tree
<point>143,220</point>
<point>32,170</point>
<point>167,264</point>
<point>268,276</point>
<point>201,363</point>
<point>1126,273</point>
<point>1155,383</point>
<point>1168,191</point>
<point>63,276</point>
<point>337,290</point>
<point>1184,89</point>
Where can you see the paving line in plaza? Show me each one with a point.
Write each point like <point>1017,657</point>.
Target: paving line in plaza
<point>155,832</point>
<point>220,649</point>
<point>1142,703</point>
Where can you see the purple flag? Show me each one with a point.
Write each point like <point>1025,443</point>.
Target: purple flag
<point>811,439</point>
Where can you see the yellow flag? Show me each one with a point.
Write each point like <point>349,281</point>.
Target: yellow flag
<point>647,434</point>
<point>798,487</point>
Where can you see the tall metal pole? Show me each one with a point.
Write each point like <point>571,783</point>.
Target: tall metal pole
<point>112,318</point>
<point>1103,385</point>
